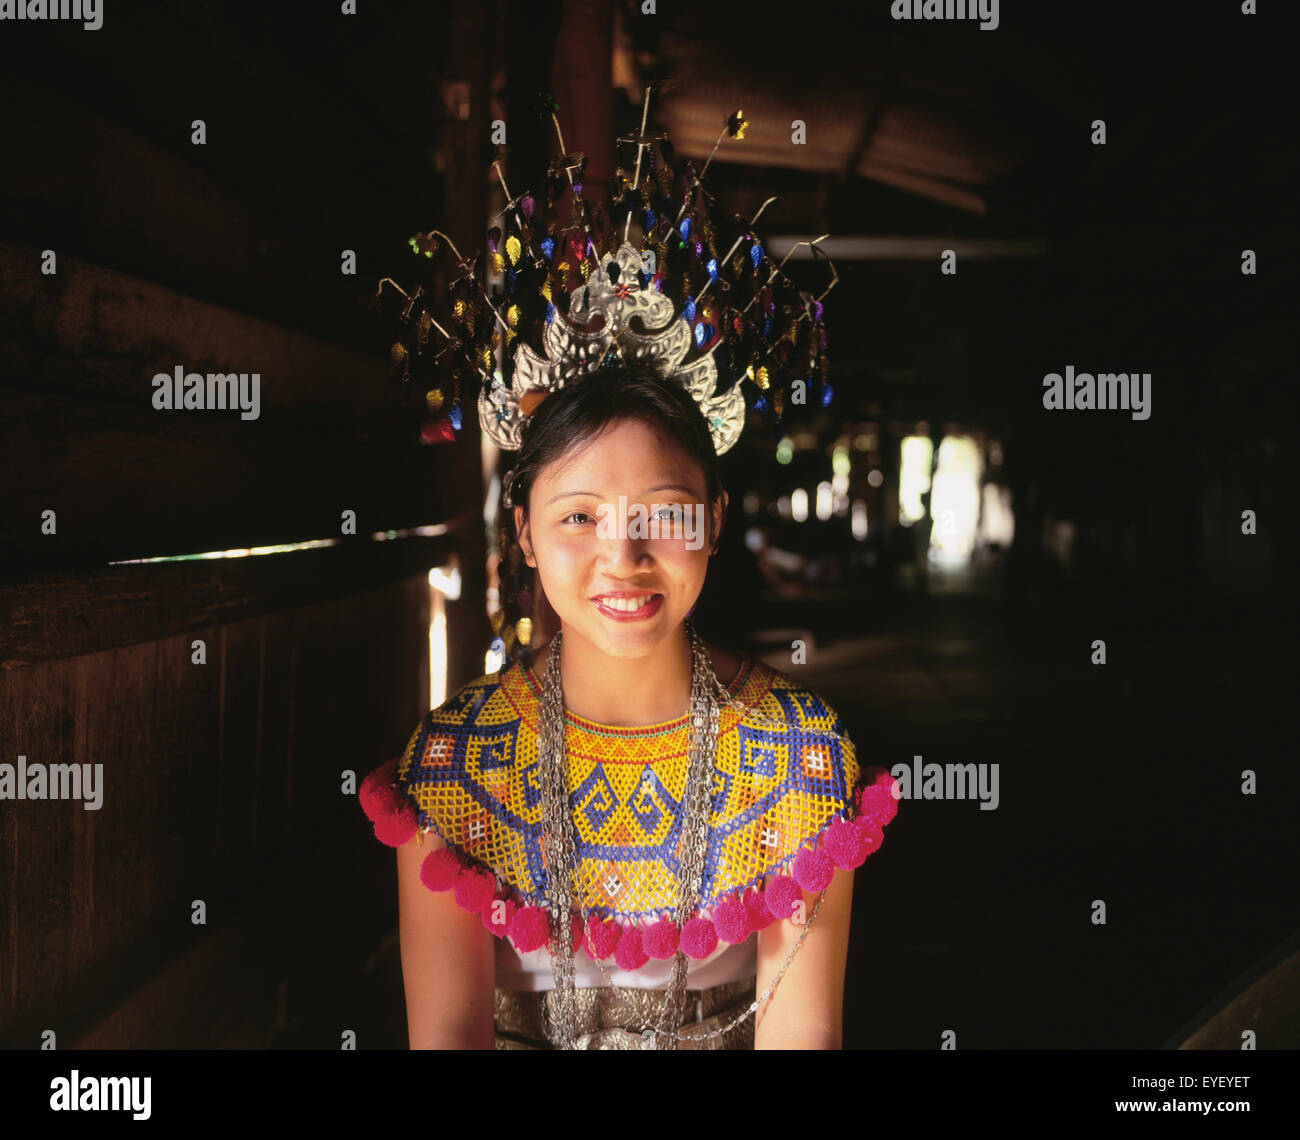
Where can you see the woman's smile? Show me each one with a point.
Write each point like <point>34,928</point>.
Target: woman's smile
<point>629,606</point>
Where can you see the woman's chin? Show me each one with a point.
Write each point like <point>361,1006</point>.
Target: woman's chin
<point>629,643</point>
<point>628,639</point>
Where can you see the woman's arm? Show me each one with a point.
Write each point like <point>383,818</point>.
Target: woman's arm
<point>807,1009</point>
<point>448,965</point>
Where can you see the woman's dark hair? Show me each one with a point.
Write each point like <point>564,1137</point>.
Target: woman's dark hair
<point>585,407</point>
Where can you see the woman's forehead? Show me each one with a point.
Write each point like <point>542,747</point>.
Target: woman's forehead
<point>628,453</point>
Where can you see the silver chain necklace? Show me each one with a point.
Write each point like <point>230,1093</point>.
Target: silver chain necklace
<point>560,849</point>
<point>559,845</point>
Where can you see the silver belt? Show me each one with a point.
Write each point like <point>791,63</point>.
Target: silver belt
<point>622,1017</point>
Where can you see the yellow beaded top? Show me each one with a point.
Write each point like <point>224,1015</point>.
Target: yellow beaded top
<point>471,770</point>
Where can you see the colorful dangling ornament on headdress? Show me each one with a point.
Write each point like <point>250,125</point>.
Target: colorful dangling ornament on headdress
<point>570,295</point>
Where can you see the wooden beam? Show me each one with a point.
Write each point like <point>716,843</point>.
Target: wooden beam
<point>943,192</point>
<point>81,436</point>
<point>87,329</point>
<point>864,247</point>
<point>119,199</point>
<point>67,615</point>
<point>468,30</point>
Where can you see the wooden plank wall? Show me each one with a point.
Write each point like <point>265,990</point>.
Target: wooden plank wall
<point>222,780</point>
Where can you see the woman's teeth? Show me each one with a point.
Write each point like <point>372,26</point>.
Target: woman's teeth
<point>626,604</point>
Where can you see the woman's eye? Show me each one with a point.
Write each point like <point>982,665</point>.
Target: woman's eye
<point>576,515</point>
<point>673,513</point>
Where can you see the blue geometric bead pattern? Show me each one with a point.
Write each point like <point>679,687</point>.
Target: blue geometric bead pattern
<point>471,770</point>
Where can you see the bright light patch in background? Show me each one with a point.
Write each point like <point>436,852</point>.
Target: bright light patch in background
<point>840,490</point>
<point>955,501</point>
<point>783,506</point>
<point>799,504</point>
<point>784,450</point>
<point>238,552</point>
<point>875,477</point>
<point>284,547</point>
<point>840,463</point>
<point>437,648</point>
<point>859,519</point>
<point>914,478</point>
<point>998,523</point>
<point>447,580</point>
<point>823,501</point>
<point>751,503</point>
<point>444,583</point>
<point>754,539</point>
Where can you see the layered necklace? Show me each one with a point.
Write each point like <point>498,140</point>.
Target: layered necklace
<point>559,843</point>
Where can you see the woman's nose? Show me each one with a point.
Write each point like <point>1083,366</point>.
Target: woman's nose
<point>623,553</point>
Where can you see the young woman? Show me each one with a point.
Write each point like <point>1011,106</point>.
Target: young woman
<point>696,813</point>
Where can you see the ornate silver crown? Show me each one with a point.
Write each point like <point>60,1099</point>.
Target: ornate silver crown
<point>625,319</point>
<point>565,284</point>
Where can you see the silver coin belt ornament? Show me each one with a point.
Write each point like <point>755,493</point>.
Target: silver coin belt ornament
<point>559,845</point>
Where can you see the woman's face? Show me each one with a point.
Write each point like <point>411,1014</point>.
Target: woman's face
<point>588,547</point>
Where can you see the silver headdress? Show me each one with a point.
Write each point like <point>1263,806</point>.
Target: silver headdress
<point>665,297</point>
<point>622,319</point>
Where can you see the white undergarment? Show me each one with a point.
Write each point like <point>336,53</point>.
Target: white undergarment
<point>730,962</point>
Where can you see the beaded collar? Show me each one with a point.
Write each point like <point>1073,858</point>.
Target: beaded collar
<point>788,806</point>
